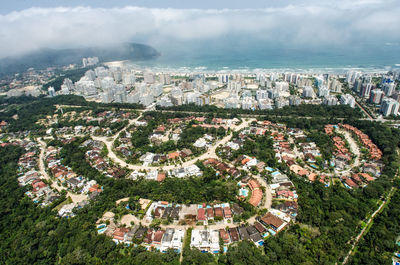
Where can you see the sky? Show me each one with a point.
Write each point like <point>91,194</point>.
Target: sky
<point>26,25</point>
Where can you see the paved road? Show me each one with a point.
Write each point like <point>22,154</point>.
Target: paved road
<point>75,197</point>
<point>359,236</point>
<point>354,148</point>
<point>209,154</point>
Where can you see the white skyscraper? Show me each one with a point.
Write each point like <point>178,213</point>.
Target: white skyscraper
<point>388,88</point>
<point>129,79</point>
<point>261,94</point>
<point>165,79</point>
<point>294,100</point>
<point>148,78</point>
<point>366,90</point>
<point>330,100</point>
<point>347,99</point>
<point>281,102</point>
<point>308,92</point>
<point>389,106</point>
<point>323,91</point>
<point>52,92</point>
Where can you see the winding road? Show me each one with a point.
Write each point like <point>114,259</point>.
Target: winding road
<point>209,154</point>
<point>76,198</point>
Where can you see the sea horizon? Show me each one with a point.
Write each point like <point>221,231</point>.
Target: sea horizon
<point>259,59</point>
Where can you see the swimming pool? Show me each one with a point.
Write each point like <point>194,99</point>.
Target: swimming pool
<point>244,192</point>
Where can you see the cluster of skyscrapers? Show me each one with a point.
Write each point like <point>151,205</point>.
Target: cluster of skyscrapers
<point>125,84</point>
<point>378,92</point>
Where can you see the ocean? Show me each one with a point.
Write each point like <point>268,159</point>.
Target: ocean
<point>259,57</point>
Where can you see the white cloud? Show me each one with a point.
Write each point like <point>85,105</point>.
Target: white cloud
<point>295,25</point>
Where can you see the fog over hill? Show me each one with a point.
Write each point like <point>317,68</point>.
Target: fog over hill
<point>47,57</point>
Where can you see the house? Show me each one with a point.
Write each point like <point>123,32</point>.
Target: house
<point>95,188</point>
<point>167,212</point>
<point>234,172</point>
<point>244,161</point>
<point>224,235</point>
<point>274,222</point>
<point>38,184</point>
<point>233,233</point>
<point>366,177</point>
<point>251,230</point>
<point>288,206</point>
<point>119,234</point>
<point>158,211</point>
<point>186,152</point>
<point>161,176</point>
<point>257,239</point>
<point>244,235</point>
<point>201,215</point>
<point>260,228</point>
<point>218,212</point>
<point>167,239</point>
<point>349,183</point>
<point>129,235</point>
<point>260,166</point>
<point>227,212</point>
<point>210,213</point>
<point>175,213</point>
<point>74,183</point>
<point>237,209</point>
<point>148,239</point>
<point>140,233</point>
<point>256,196</point>
<point>173,155</point>
<point>158,235</point>
<point>371,168</point>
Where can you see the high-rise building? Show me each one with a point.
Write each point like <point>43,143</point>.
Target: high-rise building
<point>106,97</point>
<point>248,103</point>
<point>223,78</point>
<point>323,91</point>
<point>396,96</point>
<point>164,101</point>
<point>203,100</point>
<point>388,88</point>
<point>366,90</point>
<point>129,79</point>
<point>148,78</point>
<point>334,85</point>
<point>347,99</point>
<point>90,61</point>
<point>265,104</point>
<point>282,86</point>
<point>165,79</point>
<point>352,76</point>
<point>389,106</point>
<point>319,81</point>
<point>357,86</point>
<point>64,90</point>
<point>376,96</point>
<point>133,97</point>
<point>308,92</point>
<point>294,100</point>
<point>281,102</point>
<point>90,74</point>
<point>330,100</point>
<point>261,94</point>
<point>52,92</point>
